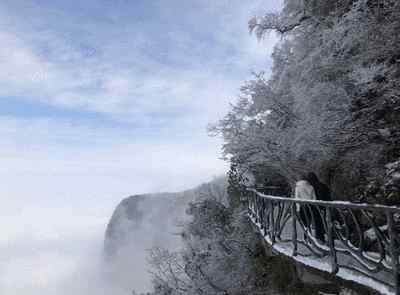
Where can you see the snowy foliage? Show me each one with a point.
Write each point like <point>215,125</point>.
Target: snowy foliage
<point>392,182</point>
<point>218,258</point>
<point>332,99</point>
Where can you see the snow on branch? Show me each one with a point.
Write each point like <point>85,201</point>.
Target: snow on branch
<point>275,22</point>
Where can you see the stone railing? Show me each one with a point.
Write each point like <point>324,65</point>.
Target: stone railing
<point>356,242</point>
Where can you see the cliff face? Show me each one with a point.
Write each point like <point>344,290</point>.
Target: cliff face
<point>149,219</point>
<point>141,222</point>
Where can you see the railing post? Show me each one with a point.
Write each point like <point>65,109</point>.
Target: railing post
<point>264,220</point>
<point>394,254</point>
<point>294,228</point>
<point>272,230</point>
<point>331,241</point>
<point>259,212</point>
<point>250,203</point>
<point>259,208</point>
<point>262,214</point>
<point>256,205</point>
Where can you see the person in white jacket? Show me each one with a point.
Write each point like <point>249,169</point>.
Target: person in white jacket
<point>304,191</point>
<point>309,214</point>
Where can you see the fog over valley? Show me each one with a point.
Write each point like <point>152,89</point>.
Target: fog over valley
<point>97,105</point>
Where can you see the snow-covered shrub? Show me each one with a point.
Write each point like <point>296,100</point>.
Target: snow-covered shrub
<point>391,186</point>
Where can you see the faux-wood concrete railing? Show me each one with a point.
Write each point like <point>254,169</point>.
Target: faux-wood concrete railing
<point>360,242</point>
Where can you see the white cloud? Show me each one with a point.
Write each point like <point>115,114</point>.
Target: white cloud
<point>155,77</point>
<point>121,85</point>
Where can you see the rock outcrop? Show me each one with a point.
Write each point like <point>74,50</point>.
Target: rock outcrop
<point>150,219</point>
<point>141,222</point>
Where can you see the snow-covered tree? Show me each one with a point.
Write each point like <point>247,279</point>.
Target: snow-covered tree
<point>218,257</point>
<point>331,104</point>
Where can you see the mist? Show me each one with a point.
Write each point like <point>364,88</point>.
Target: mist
<point>69,259</point>
<point>54,220</point>
<point>96,105</point>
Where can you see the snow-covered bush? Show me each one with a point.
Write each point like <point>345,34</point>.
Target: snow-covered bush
<point>391,186</point>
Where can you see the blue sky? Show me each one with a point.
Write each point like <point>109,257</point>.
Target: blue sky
<point>100,99</point>
<point>98,75</point>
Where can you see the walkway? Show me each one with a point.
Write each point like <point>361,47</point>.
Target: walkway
<point>360,239</point>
